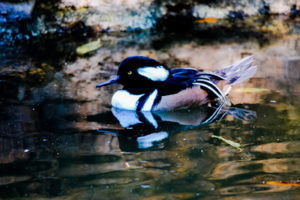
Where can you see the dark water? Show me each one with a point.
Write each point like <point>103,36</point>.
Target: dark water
<point>61,139</point>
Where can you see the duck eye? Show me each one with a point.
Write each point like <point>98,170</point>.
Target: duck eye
<point>129,73</point>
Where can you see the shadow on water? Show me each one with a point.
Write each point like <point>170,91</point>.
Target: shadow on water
<point>145,130</point>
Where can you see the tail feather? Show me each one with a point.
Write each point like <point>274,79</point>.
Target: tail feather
<point>246,75</point>
<point>231,75</point>
<point>239,71</point>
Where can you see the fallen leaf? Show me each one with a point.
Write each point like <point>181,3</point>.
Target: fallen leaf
<point>207,20</point>
<point>252,90</point>
<point>86,48</point>
<point>283,183</point>
<point>232,143</point>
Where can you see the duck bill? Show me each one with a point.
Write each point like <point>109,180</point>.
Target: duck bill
<point>109,82</point>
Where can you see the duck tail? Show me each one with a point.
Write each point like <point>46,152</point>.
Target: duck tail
<point>238,72</point>
<point>229,76</point>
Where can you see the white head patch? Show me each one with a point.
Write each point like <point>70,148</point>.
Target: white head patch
<point>158,73</point>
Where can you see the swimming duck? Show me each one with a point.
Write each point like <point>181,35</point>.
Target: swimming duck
<point>149,85</point>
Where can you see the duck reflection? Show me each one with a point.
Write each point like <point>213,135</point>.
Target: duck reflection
<point>146,130</point>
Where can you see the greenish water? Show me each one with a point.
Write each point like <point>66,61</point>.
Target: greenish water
<point>61,140</point>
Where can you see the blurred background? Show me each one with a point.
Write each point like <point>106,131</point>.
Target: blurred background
<point>60,139</point>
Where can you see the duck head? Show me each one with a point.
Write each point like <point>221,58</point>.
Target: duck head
<point>139,74</point>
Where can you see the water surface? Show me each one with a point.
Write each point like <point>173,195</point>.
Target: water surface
<point>60,138</point>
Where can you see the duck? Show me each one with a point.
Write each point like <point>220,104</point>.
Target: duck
<point>149,85</point>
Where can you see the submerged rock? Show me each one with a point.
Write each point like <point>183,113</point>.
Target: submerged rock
<point>220,9</point>
<point>30,19</point>
<point>14,19</point>
<point>15,11</point>
<point>118,15</point>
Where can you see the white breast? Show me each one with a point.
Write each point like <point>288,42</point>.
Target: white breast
<point>124,100</point>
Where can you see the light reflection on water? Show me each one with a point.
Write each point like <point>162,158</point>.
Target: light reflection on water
<point>79,148</point>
